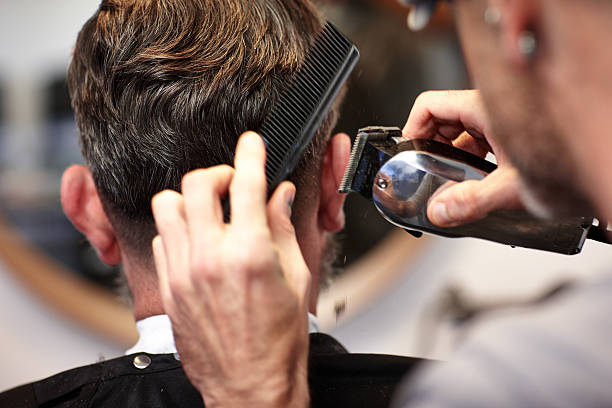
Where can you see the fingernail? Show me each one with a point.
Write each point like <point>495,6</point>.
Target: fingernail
<point>439,213</point>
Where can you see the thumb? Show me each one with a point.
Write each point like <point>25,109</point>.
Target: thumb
<point>292,262</point>
<point>472,200</point>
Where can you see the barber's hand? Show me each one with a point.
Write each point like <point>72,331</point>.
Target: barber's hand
<point>459,118</point>
<point>237,293</point>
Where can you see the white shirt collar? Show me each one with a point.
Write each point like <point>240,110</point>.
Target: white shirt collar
<point>155,335</point>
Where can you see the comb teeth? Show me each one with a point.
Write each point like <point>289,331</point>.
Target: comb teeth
<point>295,118</point>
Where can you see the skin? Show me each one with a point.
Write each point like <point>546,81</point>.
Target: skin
<point>323,215</point>
<point>532,116</point>
<point>256,301</point>
<point>459,118</point>
<point>209,302</point>
<point>537,114</point>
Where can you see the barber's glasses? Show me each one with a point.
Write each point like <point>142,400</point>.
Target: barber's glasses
<point>421,13</point>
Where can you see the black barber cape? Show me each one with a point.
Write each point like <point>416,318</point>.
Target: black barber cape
<point>336,377</point>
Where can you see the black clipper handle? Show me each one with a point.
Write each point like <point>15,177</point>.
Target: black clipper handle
<point>412,170</point>
<point>520,229</point>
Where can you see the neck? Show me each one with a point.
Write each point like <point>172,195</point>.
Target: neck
<point>313,244</point>
<point>143,283</point>
<point>142,280</point>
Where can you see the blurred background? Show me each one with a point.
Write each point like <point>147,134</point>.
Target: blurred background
<point>392,293</point>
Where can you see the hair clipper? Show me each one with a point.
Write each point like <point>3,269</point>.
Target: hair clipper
<point>401,175</point>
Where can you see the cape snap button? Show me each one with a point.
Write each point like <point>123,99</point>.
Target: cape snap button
<point>142,361</point>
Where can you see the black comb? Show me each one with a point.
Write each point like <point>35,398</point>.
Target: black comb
<point>297,115</point>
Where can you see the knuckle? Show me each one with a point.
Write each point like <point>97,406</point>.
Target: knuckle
<point>424,97</point>
<point>193,179</point>
<point>242,261</point>
<point>254,260</point>
<point>247,256</point>
<point>177,287</point>
<point>205,268</point>
<point>219,174</point>
<point>224,168</point>
<point>161,199</point>
<point>165,210</point>
<point>199,264</point>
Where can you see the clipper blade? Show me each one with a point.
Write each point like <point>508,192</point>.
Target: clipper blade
<point>351,168</point>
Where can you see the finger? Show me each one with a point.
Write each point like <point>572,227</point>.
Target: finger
<point>202,193</point>
<point>441,189</point>
<point>292,261</point>
<point>169,213</point>
<point>161,267</point>
<point>248,188</point>
<point>475,145</point>
<point>445,115</point>
<point>445,130</point>
<point>472,200</point>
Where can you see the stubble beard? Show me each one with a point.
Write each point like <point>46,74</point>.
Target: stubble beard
<point>329,257</point>
<point>523,125</point>
<point>551,186</point>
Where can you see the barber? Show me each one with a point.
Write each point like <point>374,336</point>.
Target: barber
<point>543,69</point>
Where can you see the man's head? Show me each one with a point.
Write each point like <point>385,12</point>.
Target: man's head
<point>543,68</point>
<point>162,87</point>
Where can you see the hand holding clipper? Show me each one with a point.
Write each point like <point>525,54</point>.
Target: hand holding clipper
<point>436,180</point>
<point>459,118</point>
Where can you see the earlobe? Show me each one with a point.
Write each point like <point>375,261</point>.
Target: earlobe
<point>336,158</point>
<point>519,17</point>
<point>511,48</point>
<point>83,207</point>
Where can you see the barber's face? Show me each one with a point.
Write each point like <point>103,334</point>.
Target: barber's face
<point>521,119</point>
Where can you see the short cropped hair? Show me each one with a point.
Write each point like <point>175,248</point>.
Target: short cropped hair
<point>162,87</point>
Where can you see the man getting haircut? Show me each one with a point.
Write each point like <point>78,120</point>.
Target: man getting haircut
<point>160,88</point>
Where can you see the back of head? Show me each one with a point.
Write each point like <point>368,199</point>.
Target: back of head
<point>161,87</point>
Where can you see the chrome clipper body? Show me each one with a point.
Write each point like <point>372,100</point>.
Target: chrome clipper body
<point>401,175</point>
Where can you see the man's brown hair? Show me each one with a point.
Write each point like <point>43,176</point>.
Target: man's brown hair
<point>162,87</point>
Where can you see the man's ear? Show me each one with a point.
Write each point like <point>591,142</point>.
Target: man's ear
<point>331,214</point>
<point>83,207</point>
<point>517,18</point>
